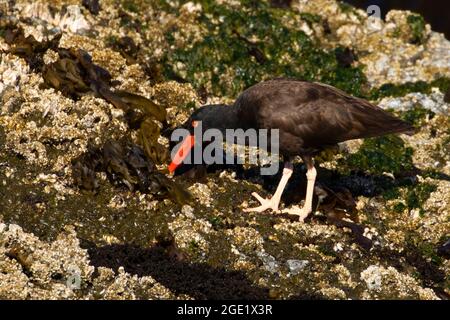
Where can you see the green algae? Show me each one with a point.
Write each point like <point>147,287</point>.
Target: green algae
<point>310,18</point>
<point>216,222</point>
<point>381,154</point>
<point>226,62</point>
<point>345,7</point>
<point>416,24</point>
<point>416,196</point>
<point>253,44</point>
<point>417,115</point>
<point>400,90</point>
<point>133,225</point>
<point>131,6</point>
<point>413,196</point>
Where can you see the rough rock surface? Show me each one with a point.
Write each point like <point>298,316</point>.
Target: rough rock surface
<point>58,241</point>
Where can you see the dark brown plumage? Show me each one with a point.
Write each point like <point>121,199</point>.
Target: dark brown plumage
<point>310,116</point>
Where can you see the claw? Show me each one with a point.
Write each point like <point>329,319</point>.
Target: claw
<point>265,204</point>
<point>302,213</point>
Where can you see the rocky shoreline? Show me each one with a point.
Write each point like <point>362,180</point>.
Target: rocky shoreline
<point>73,78</point>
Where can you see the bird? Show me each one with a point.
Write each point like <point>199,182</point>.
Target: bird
<point>310,117</point>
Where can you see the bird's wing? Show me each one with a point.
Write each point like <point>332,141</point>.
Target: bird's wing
<point>328,117</point>
<point>367,119</point>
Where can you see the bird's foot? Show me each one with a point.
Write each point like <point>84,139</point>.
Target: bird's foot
<point>265,204</point>
<point>302,213</point>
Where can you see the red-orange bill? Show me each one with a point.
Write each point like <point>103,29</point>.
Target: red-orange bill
<point>182,152</point>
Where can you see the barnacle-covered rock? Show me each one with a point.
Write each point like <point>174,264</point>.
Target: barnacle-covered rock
<point>90,92</point>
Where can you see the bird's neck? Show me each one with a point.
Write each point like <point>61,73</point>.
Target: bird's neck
<point>222,118</point>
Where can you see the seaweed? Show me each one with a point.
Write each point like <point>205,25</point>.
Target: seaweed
<point>310,18</point>
<point>417,115</point>
<point>74,74</point>
<point>416,24</point>
<point>28,47</point>
<point>247,46</point>
<point>125,163</point>
<point>400,90</point>
<point>381,154</point>
<point>148,137</point>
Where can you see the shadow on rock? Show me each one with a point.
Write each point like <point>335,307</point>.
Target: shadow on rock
<point>169,268</point>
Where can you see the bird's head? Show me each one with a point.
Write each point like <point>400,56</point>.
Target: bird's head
<point>206,117</point>
<point>210,116</point>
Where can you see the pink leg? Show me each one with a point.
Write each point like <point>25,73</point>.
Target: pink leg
<point>273,202</point>
<point>311,174</point>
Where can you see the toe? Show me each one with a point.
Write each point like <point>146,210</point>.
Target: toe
<point>256,209</point>
<point>265,204</point>
<point>302,213</point>
<point>257,196</point>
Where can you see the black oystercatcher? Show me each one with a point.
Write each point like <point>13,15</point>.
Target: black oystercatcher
<point>310,117</point>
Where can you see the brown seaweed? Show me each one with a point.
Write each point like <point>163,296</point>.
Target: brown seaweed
<point>125,163</point>
<point>127,47</point>
<point>84,177</point>
<point>28,47</point>
<point>65,76</point>
<point>147,106</point>
<point>74,74</point>
<point>148,136</point>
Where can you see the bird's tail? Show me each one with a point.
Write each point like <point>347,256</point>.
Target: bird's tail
<point>378,122</point>
<point>400,126</point>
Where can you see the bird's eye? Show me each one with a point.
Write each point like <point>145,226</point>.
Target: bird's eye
<point>194,123</point>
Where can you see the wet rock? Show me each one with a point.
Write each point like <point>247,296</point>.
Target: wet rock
<point>41,265</point>
<point>296,266</point>
<point>379,281</point>
<point>73,20</point>
<point>444,250</point>
<point>434,102</point>
<point>84,144</point>
<point>11,100</point>
<point>92,5</point>
<point>34,269</point>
